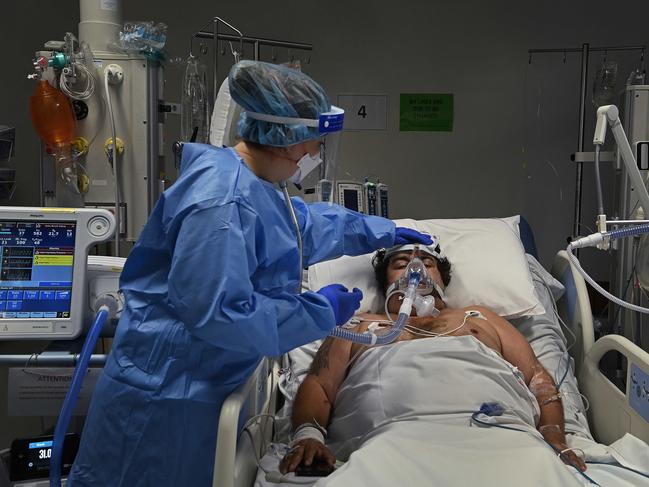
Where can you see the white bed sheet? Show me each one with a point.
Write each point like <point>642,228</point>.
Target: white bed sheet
<point>418,432</point>
<point>410,452</point>
<point>543,332</point>
<point>403,455</point>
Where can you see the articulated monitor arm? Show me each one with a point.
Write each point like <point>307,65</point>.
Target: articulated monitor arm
<point>609,115</point>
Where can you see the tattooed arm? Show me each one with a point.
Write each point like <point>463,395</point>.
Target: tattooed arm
<point>316,395</point>
<point>314,402</point>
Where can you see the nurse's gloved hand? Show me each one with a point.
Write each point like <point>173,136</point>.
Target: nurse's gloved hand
<point>343,302</point>
<point>403,236</point>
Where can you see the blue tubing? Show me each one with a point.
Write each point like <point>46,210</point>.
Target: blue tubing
<point>72,396</point>
<point>628,231</point>
<point>370,338</point>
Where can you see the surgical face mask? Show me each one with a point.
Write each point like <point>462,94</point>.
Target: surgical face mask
<point>304,166</point>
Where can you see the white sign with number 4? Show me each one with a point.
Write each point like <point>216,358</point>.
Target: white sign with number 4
<point>364,112</point>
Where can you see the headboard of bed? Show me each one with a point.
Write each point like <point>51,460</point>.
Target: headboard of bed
<point>527,237</point>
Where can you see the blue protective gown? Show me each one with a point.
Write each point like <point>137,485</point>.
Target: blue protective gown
<point>210,290</point>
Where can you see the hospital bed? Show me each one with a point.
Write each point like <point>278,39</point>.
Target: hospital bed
<point>610,415</point>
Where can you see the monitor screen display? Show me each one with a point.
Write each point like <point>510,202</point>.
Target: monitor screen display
<point>36,269</point>
<point>350,197</point>
<point>30,458</point>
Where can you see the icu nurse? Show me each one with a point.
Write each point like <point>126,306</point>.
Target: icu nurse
<point>211,286</point>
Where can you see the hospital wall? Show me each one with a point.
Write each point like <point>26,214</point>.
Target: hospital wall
<point>515,123</point>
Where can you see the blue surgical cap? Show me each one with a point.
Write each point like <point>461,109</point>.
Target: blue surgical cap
<point>276,90</point>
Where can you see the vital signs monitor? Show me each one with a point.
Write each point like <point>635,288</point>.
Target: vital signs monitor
<point>43,269</point>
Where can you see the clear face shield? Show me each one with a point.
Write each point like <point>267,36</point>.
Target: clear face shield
<point>320,170</point>
<point>330,152</point>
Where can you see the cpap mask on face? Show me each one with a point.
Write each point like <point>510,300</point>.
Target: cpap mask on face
<point>416,272</point>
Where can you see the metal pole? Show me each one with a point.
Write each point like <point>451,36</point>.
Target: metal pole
<point>580,142</point>
<point>41,185</point>
<point>590,49</point>
<point>256,50</point>
<point>153,166</point>
<point>45,359</point>
<point>627,222</point>
<point>201,34</point>
<point>215,53</point>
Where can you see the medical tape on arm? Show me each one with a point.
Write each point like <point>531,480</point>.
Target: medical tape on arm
<point>543,387</point>
<point>306,431</point>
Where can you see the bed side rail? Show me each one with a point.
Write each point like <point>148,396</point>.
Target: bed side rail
<point>574,307</point>
<point>611,413</point>
<point>234,461</point>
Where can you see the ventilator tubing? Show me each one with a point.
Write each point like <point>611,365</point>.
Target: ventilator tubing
<point>628,231</point>
<point>371,338</point>
<point>73,394</point>
<point>594,240</point>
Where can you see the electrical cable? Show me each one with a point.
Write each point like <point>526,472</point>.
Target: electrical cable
<point>632,274</point>
<point>88,90</point>
<point>566,354</point>
<point>620,466</point>
<point>566,371</point>
<point>624,293</point>
<point>474,418</point>
<point>432,334</point>
<point>266,415</point>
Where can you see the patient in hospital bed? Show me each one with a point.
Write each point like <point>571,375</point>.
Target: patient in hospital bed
<point>464,357</point>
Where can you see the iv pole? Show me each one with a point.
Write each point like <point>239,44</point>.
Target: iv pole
<point>257,43</point>
<point>585,53</point>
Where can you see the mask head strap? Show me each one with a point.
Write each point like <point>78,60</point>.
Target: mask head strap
<point>328,122</point>
<point>432,249</point>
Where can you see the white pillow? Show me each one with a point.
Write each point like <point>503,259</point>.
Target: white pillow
<point>488,267</point>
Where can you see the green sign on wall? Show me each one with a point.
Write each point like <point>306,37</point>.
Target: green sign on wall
<point>426,112</point>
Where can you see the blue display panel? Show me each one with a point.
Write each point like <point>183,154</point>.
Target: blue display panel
<point>639,393</point>
<point>36,269</point>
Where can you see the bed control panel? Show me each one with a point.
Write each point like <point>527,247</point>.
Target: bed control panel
<point>639,393</point>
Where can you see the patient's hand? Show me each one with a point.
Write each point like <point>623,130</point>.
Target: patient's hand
<point>305,451</point>
<point>558,440</point>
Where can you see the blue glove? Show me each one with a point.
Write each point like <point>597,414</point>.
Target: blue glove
<point>343,302</point>
<point>403,236</point>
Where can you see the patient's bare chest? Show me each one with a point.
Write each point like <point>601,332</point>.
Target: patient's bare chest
<point>450,324</point>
